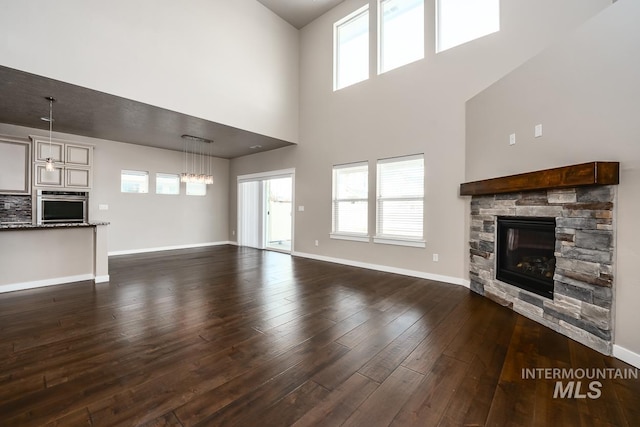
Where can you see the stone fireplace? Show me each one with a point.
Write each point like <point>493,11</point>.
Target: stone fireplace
<point>578,299</point>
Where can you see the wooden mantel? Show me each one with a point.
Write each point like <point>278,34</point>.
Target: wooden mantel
<point>593,173</point>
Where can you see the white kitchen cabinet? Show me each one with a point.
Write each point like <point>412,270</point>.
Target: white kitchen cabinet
<point>15,166</point>
<point>43,151</point>
<point>78,155</point>
<point>77,177</point>
<point>73,163</point>
<point>45,178</point>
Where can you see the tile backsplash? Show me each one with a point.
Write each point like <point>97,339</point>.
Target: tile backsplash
<point>15,208</point>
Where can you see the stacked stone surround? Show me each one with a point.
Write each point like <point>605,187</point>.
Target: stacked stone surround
<point>581,307</point>
<point>19,208</point>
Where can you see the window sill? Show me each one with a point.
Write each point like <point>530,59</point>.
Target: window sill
<point>400,242</point>
<point>352,237</point>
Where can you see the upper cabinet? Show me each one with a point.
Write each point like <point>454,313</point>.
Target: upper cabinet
<point>15,166</point>
<point>73,163</point>
<point>78,155</point>
<point>44,150</point>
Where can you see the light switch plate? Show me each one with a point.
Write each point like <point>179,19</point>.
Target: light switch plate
<point>103,207</point>
<point>537,131</point>
<point>7,205</point>
<point>512,139</point>
<point>300,208</point>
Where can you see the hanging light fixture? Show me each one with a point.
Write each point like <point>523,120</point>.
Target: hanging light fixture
<point>50,162</point>
<point>197,168</point>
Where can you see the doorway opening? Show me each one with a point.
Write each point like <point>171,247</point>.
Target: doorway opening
<point>265,210</point>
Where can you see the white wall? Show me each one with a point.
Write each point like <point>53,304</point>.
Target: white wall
<point>585,91</point>
<point>147,221</point>
<point>416,108</point>
<point>232,62</point>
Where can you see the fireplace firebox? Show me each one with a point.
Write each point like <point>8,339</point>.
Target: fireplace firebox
<point>525,253</point>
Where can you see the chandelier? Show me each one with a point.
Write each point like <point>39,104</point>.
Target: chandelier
<point>197,160</point>
<point>50,161</point>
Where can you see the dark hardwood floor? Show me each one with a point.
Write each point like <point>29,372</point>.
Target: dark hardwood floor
<point>233,336</point>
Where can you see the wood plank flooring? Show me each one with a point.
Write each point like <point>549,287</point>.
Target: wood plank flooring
<point>229,336</point>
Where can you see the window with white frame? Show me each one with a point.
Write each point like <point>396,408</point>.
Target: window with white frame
<point>401,34</point>
<point>351,49</point>
<point>350,206</point>
<point>167,183</point>
<point>134,181</point>
<point>400,201</point>
<point>460,21</point>
<point>196,189</point>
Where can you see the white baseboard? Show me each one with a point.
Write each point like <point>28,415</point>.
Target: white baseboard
<point>101,279</point>
<point>47,282</point>
<point>627,356</point>
<point>386,269</point>
<point>167,248</point>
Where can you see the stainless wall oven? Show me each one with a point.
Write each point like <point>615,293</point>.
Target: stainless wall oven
<point>61,206</point>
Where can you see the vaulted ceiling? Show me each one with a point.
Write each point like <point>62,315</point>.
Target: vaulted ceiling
<point>300,12</point>
<point>86,112</point>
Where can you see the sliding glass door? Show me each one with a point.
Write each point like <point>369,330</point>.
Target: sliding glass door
<point>250,214</point>
<point>265,210</point>
<point>278,209</point>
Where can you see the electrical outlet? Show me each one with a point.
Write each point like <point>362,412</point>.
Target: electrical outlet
<point>103,207</point>
<point>317,243</point>
<point>233,232</point>
<point>512,139</point>
<point>300,208</point>
<point>435,257</point>
<point>7,205</point>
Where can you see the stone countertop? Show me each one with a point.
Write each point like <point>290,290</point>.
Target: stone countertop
<point>29,226</point>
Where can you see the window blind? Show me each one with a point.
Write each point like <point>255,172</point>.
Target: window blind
<point>351,199</point>
<point>400,198</point>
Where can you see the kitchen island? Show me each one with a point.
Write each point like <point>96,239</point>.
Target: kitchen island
<point>33,256</point>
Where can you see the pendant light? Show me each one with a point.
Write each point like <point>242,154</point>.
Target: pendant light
<point>197,169</point>
<point>50,162</point>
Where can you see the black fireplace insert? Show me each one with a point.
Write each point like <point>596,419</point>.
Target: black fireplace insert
<point>525,253</point>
